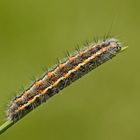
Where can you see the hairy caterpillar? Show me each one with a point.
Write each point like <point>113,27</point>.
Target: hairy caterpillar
<point>66,72</point>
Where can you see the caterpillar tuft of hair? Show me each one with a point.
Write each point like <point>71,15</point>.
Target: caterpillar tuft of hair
<point>72,68</point>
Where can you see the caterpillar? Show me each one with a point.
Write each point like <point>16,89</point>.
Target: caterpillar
<point>65,73</point>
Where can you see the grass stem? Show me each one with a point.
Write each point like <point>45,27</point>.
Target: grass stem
<point>5,126</point>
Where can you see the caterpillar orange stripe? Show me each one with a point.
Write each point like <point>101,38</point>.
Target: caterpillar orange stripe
<point>66,72</point>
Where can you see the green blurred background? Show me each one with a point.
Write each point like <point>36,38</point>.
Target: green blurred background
<point>104,104</point>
